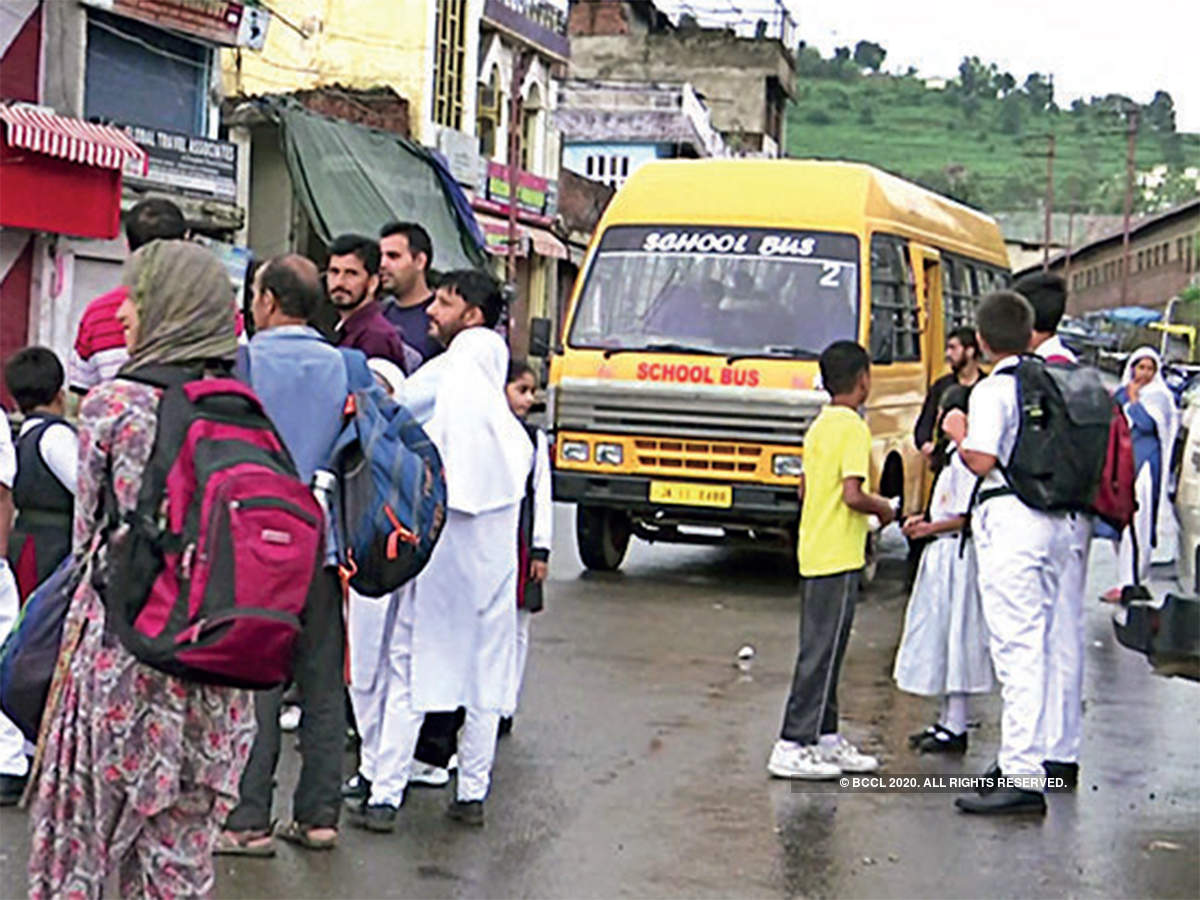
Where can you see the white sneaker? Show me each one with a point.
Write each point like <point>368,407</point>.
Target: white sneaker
<point>289,717</point>
<point>847,757</point>
<point>431,776</point>
<point>791,760</point>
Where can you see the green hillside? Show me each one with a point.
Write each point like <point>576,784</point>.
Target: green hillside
<point>985,143</point>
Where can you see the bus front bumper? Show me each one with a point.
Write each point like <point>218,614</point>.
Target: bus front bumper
<point>751,505</point>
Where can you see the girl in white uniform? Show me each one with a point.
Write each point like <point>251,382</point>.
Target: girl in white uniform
<point>944,651</point>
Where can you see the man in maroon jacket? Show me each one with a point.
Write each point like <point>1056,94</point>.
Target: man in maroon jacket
<point>351,280</point>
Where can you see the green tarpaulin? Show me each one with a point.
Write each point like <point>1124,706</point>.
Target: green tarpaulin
<point>354,179</point>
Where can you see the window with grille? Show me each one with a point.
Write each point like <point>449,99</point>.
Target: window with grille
<point>448,62</point>
<point>959,300</point>
<point>895,320</point>
<point>487,115</point>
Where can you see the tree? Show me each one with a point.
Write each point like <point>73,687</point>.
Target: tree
<point>1160,112</point>
<point>869,55</point>
<point>1010,114</point>
<point>1040,91</point>
<point>1005,83</point>
<point>841,54</point>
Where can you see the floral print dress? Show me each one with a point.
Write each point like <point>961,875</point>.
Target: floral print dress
<point>135,767</point>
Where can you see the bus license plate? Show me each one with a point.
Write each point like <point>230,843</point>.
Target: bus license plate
<point>684,494</point>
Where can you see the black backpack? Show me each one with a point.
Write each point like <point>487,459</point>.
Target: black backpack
<point>1063,440</point>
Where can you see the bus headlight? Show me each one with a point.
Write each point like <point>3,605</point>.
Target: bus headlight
<point>575,451</point>
<point>610,454</point>
<point>786,465</point>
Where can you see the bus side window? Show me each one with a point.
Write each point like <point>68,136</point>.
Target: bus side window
<point>959,299</point>
<point>895,322</point>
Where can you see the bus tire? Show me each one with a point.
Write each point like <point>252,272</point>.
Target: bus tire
<point>602,536</point>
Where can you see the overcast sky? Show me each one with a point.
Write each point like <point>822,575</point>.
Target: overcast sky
<point>1091,48</point>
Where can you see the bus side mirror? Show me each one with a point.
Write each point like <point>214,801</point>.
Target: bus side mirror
<point>540,333</point>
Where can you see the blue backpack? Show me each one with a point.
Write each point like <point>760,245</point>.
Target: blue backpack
<point>391,502</point>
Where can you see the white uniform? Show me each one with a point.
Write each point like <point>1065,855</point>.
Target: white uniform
<point>945,645</point>
<point>1062,721</point>
<point>543,537</point>
<point>1018,577</point>
<point>12,742</point>
<point>451,638</point>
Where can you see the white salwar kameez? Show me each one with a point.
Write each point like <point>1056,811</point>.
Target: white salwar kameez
<point>451,634</point>
<point>945,645</point>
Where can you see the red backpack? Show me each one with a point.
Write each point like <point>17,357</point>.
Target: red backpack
<point>211,578</point>
<point>1115,501</point>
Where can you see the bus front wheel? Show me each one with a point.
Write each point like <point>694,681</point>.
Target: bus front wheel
<point>602,536</point>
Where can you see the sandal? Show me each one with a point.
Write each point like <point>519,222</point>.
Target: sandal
<point>260,843</point>
<point>301,835</point>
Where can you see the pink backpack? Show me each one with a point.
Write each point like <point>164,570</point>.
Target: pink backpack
<point>211,579</point>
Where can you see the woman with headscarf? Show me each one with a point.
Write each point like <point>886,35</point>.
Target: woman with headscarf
<point>136,769</point>
<point>1150,407</point>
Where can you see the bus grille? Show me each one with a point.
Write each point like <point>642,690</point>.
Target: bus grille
<point>713,419</point>
<point>681,457</point>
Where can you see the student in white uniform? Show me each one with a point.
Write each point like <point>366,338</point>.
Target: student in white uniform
<point>535,533</point>
<point>14,767</point>
<point>1016,546</point>
<point>1062,721</point>
<point>451,639</point>
<point>944,651</point>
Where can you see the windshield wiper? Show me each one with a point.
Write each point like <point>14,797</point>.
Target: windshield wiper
<point>776,351</point>
<point>665,347</point>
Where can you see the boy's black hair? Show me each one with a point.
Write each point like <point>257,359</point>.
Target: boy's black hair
<point>842,362</point>
<point>1005,321</point>
<point>1047,294</point>
<point>154,219</point>
<point>477,289</point>
<point>365,248</point>
<point>417,237</point>
<point>518,369</point>
<point>965,336</point>
<point>34,377</point>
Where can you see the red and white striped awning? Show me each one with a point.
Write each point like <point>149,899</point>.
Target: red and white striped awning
<point>36,129</point>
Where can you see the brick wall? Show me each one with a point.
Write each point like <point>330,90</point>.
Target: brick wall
<point>380,108</point>
<point>598,17</point>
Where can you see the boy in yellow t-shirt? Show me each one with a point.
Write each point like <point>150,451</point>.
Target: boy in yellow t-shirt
<point>833,539</point>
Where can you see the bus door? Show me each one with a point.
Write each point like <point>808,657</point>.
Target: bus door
<point>927,272</point>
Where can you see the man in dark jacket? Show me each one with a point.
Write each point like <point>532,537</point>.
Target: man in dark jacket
<point>962,355</point>
<point>352,281</point>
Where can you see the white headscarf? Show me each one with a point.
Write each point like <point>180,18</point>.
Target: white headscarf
<point>459,398</point>
<point>1158,401</point>
<point>391,373</point>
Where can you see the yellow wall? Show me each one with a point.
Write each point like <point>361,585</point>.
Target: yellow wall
<point>356,43</point>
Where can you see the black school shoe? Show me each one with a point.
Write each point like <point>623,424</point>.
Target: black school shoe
<point>377,817</point>
<point>505,727</point>
<point>938,739</point>
<point>469,812</point>
<point>1068,772</point>
<point>12,788</point>
<point>1004,802</point>
<point>356,788</point>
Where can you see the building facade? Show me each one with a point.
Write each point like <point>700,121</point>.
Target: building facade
<point>143,74</point>
<point>1164,258</point>
<point>746,81</point>
<point>609,128</point>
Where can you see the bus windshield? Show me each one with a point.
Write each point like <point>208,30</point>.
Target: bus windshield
<point>724,291</point>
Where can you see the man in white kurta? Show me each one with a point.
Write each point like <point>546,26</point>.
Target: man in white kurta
<point>450,639</point>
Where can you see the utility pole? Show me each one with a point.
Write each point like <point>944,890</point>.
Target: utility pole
<point>1049,202</point>
<point>1131,130</point>
<point>522,60</point>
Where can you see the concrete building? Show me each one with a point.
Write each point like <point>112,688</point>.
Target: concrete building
<point>746,81</point>
<point>1164,258</point>
<point>456,64</point>
<point>150,72</point>
<point>609,128</point>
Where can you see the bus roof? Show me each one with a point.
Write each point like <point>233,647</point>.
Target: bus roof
<point>827,196</point>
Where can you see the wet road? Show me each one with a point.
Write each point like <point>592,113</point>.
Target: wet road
<point>636,768</point>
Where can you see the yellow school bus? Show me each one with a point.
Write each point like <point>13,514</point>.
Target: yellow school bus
<point>687,375</point>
